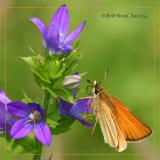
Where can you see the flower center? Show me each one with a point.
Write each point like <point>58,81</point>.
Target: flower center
<point>34,117</point>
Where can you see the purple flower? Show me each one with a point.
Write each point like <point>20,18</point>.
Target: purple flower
<point>55,35</point>
<point>30,117</point>
<point>5,118</point>
<point>82,105</point>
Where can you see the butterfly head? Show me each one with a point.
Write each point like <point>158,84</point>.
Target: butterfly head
<point>95,87</point>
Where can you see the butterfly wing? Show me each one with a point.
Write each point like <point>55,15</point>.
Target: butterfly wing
<point>110,129</point>
<point>132,128</point>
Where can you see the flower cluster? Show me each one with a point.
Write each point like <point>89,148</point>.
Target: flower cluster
<point>55,74</point>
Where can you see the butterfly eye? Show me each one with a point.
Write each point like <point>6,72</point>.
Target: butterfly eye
<point>89,90</point>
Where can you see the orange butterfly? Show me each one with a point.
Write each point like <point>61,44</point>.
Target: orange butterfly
<point>117,123</point>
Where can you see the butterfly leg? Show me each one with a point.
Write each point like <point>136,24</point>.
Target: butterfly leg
<point>95,125</point>
<point>86,116</point>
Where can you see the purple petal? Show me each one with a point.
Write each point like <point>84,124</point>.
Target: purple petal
<point>82,120</point>
<point>18,108</point>
<point>52,38</point>
<point>40,25</point>
<point>43,133</point>
<point>6,120</point>
<point>20,129</point>
<point>9,122</point>
<point>3,97</point>
<point>65,48</point>
<point>50,34</point>
<point>82,105</point>
<point>74,34</point>
<point>61,20</point>
<point>2,116</point>
<point>64,106</point>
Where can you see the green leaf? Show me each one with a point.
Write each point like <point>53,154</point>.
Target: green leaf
<point>83,74</point>
<point>38,67</point>
<point>26,99</point>
<point>29,60</point>
<point>56,69</point>
<point>23,145</point>
<point>52,124</point>
<point>67,95</point>
<point>32,51</point>
<point>62,91</point>
<point>50,90</point>
<point>53,116</point>
<point>57,90</point>
<point>71,62</point>
<point>53,112</point>
<point>64,124</point>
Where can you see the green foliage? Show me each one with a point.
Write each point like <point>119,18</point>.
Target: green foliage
<point>26,99</point>
<point>65,123</point>
<point>50,70</point>
<point>25,145</point>
<point>57,122</point>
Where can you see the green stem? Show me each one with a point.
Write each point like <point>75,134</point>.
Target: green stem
<point>38,144</point>
<point>46,100</point>
<point>37,157</point>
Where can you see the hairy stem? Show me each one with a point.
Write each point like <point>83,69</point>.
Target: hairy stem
<point>37,157</point>
<point>46,100</point>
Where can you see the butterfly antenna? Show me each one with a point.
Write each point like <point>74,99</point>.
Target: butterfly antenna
<point>105,73</point>
<point>89,81</point>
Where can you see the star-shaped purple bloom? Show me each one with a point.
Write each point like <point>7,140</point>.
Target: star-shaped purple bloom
<point>6,120</point>
<point>82,105</point>
<point>30,117</point>
<point>55,35</point>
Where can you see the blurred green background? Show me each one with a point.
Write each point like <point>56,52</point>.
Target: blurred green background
<point>124,45</point>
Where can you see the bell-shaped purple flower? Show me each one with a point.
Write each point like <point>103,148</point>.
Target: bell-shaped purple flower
<point>82,105</point>
<point>6,120</point>
<point>55,35</point>
<point>30,117</point>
